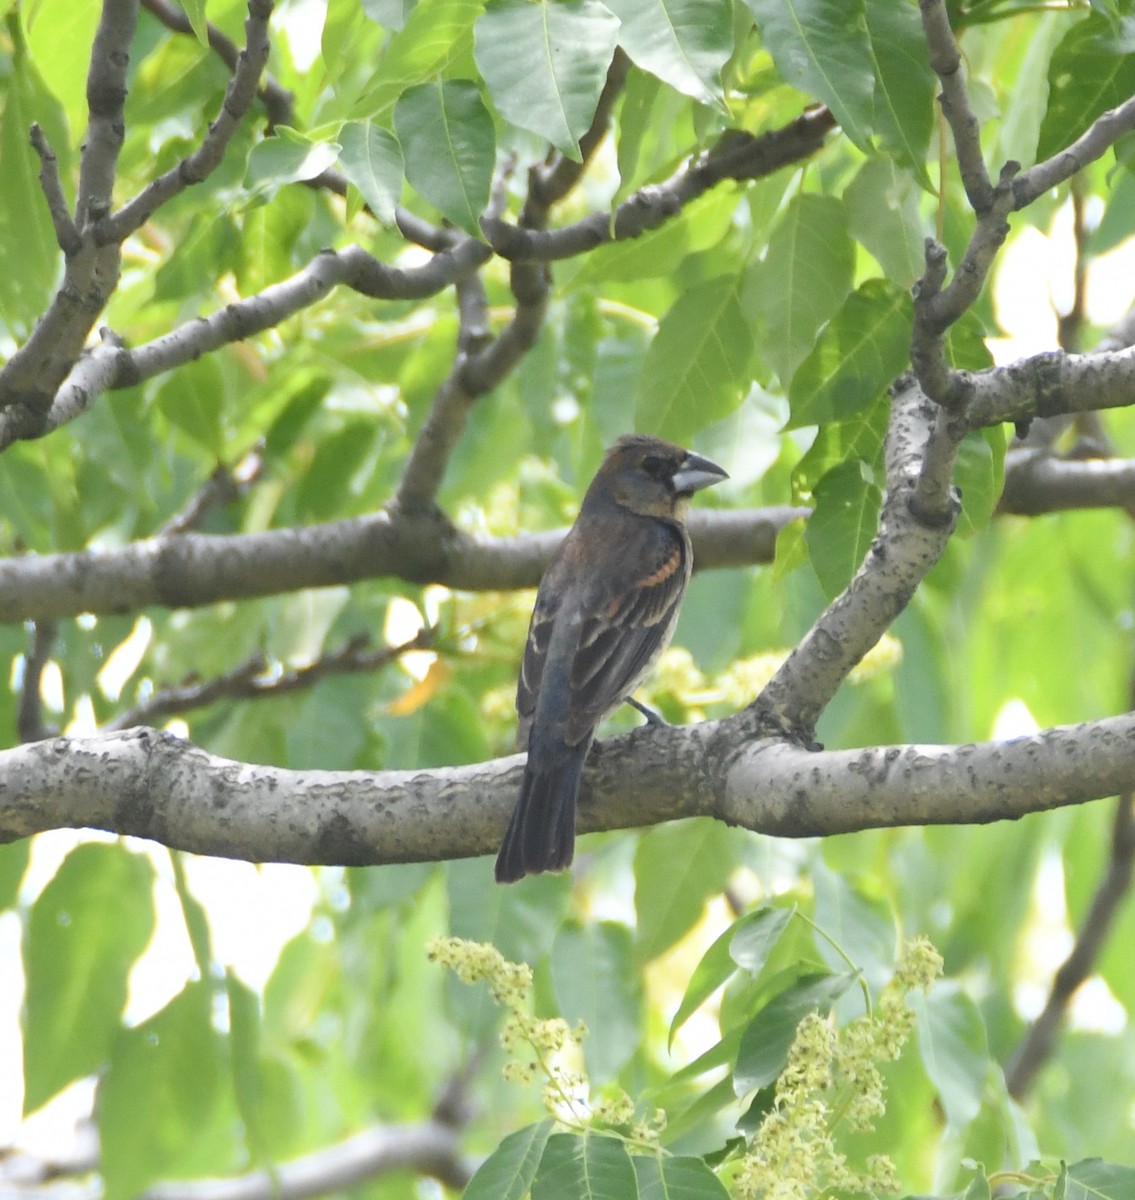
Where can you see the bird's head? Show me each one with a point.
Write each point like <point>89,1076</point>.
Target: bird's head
<point>654,478</point>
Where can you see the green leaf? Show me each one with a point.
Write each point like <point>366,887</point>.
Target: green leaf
<point>244,1049</point>
<point>677,868</point>
<point>159,1093</point>
<point>449,147</point>
<point>863,349</point>
<point>820,47</point>
<point>802,281</point>
<point>753,938</point>
<point>746,943</point>
<point>372,160</point>
<point>980,477</point>
<point>545,63</point>
<point>594,982</point>
<point>288,157</point>
<point>193,398</point>
<point>13,863</point>
<point>954,1049</point>
<point>1094,1179</point>
<point>86,930</point>
<point>667,1178</point>
<point>842,525</point>
<point>508,1172</point>
<point>31,253</point>
<point>59,34</point>
<point>437,35</point>
<point>767,1038</point>
<point>1092,70</point>
<point>589,1166</point>
<point>685,43</point>
<point>195,11</point>
<point>857,440</point>
<point>904,84</point>
<point>883,214</point>
<point>697,368</point>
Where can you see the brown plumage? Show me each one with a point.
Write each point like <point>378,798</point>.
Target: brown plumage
<point>605,611</point>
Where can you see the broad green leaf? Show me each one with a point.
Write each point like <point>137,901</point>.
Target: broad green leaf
<point>1093,1179</point>
<point>904,84</point>
<point>859,440</point>
<point>685,43</point>
<point>31,254</point>
<point>13,862</point>
<point>437,35</point>
<point>244,1051</point>
<point>820,47</point>
<point>1092,70</point>
<point>802,280</point>
<point>752,938</point>
<point>862,929</point>
<point>288,157</point>
<point>594,982</point>
<point>861,352</point>
<point>193,399</point>
<point>59,34</point>
<point>449,147</point>
<point>195,11</point>
<point>714,968</point>
<point>767,1038</point>
<point>588,1166</point>
<point>508,1172</point>
<point>697,368</point>
<point>521,920</point>
<point>842,525</point>
<point>669,1178</point>
<point>883,214</point>
<point>677,868</point>
<point>954,1049</point>
<point>86,930</point>
<point>545,63</point>
<point>980,477</point>
<point>372,160</point>
<point>160,1093</point>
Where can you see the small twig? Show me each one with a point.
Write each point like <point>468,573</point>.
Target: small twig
<point>278,101</point>
<point>66,232</point>
<point>946,62</point>
<point>195,167</point>
<point>30,725</point>
<point>254,679</point>
<point>224,485</point>
<point>106,98</point>
<point>1037,1045</point>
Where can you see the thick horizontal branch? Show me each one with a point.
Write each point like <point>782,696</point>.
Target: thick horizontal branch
<point>154,785</point>
<point>1047,385</point>
<point>1037,481</point>
<point>192,569</point>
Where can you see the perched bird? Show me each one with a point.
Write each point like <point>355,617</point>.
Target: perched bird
<point>605,610</point>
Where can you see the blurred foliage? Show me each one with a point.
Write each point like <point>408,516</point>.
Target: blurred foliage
<point>760,313</point>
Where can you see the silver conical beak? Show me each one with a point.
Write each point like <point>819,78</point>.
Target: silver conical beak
<point>696,473</point>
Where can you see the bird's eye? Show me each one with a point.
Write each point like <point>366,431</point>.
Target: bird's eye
<point>653,465</point>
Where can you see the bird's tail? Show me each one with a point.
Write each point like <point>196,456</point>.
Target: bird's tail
<point>541,834</point>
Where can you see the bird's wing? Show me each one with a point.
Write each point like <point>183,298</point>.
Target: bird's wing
<point>628,622</point>
<point>535,653</point>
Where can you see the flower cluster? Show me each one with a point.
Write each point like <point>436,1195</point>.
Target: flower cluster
<point>545,1038</point>
<point>832,1077</point>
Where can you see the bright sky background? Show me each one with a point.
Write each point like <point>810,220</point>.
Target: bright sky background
<point>254,911</point>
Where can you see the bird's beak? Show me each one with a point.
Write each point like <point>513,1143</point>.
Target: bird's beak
<point>696,473</point>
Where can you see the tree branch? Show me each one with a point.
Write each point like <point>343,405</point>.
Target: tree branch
<point>1037,1045</point>
<point>149,784</point>
<point>915,524</point>
<point>199,165</point>
<point>254,679</point>
<point>192,569</point>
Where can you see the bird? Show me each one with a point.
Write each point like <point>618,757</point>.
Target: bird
<point>605,610</point>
